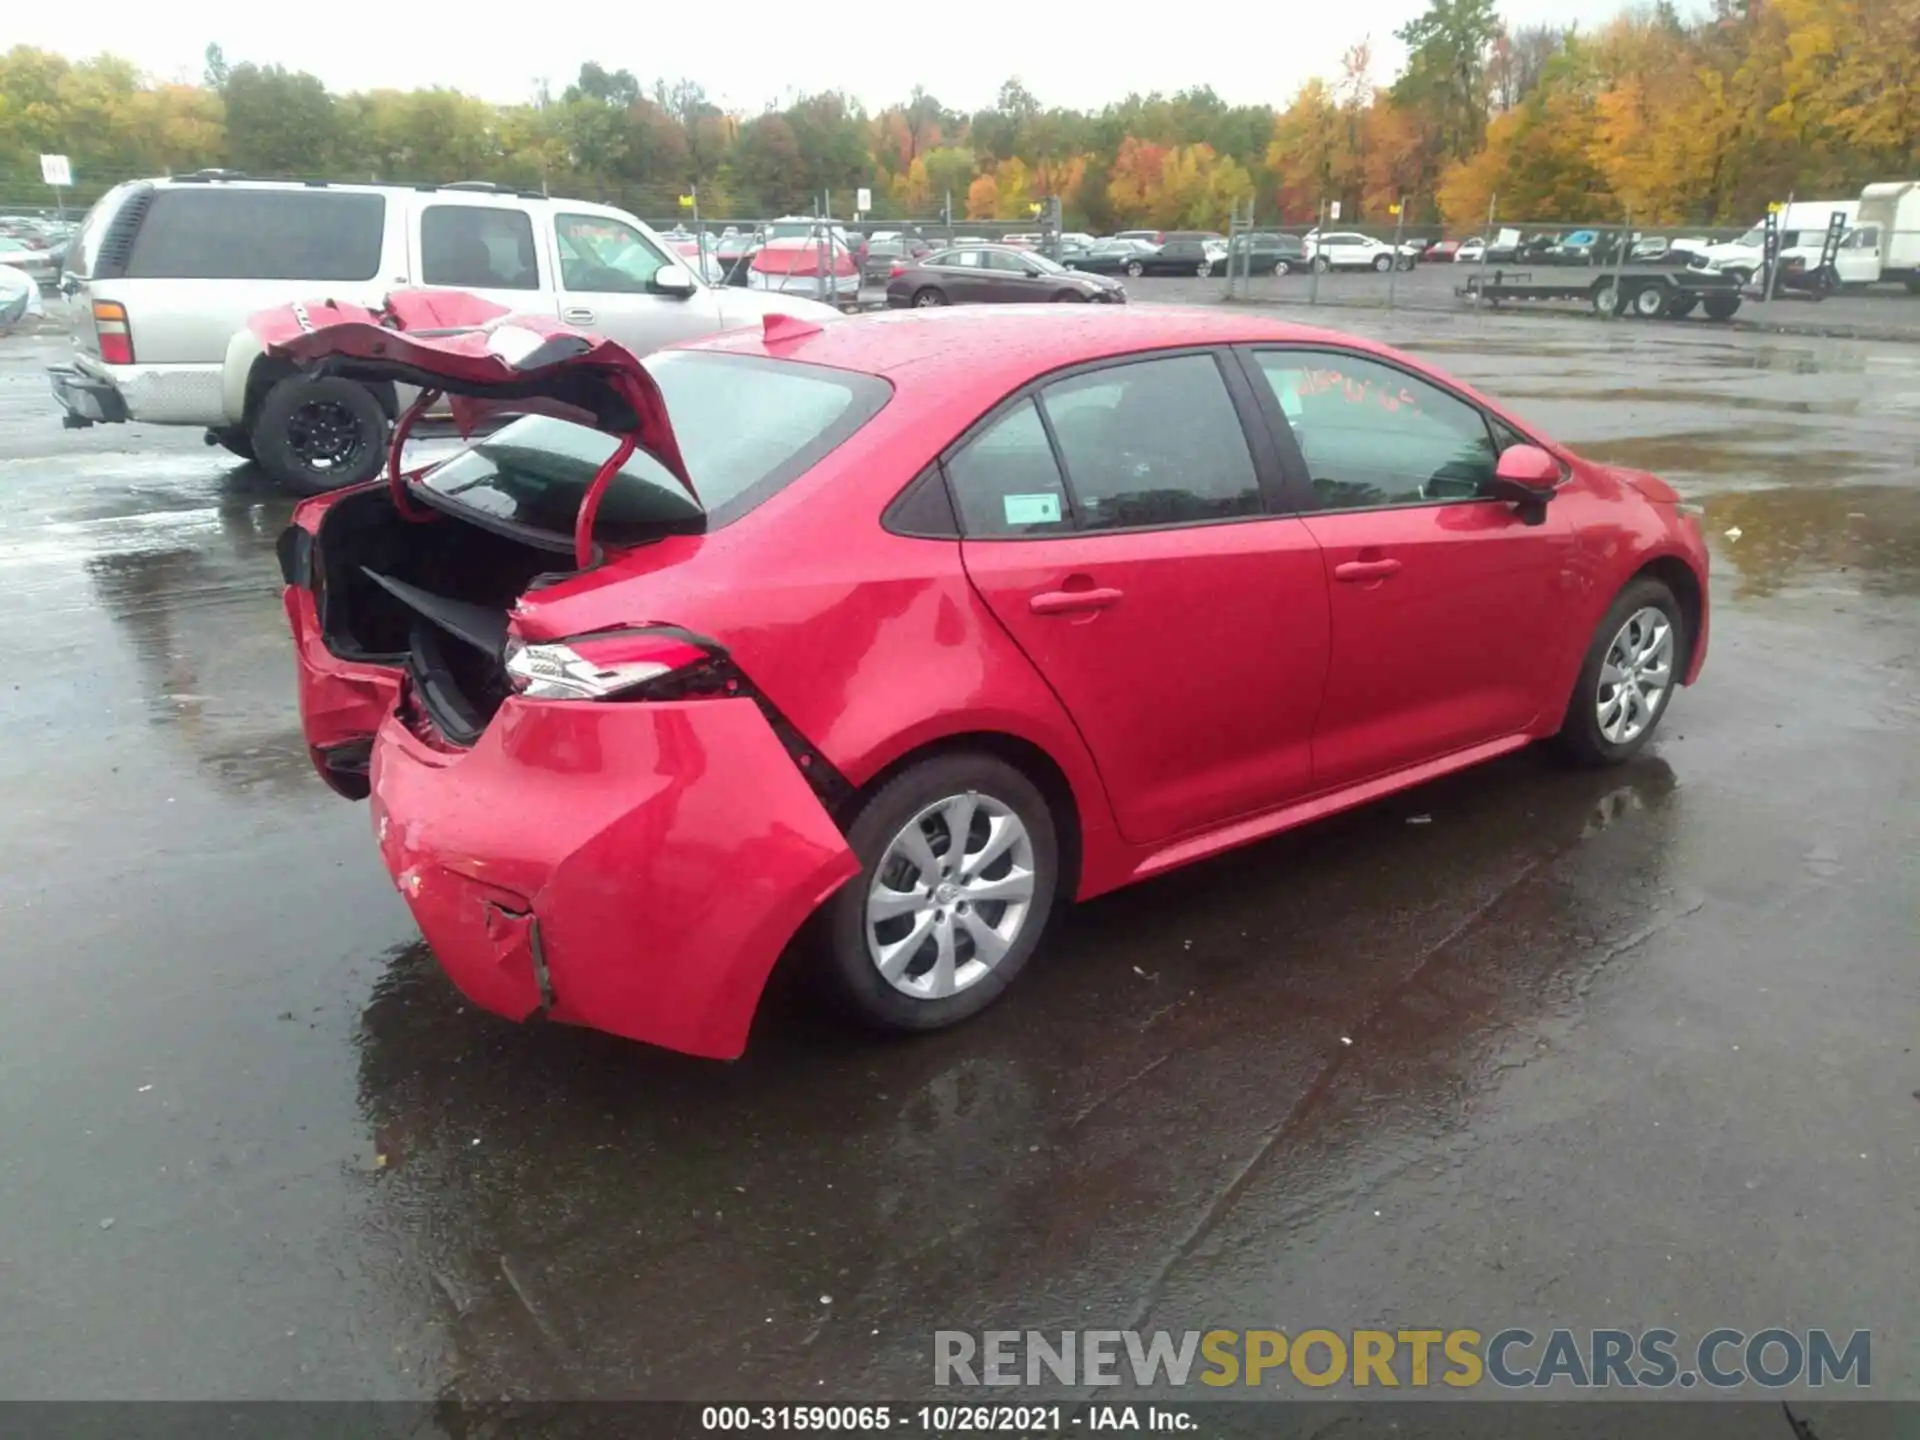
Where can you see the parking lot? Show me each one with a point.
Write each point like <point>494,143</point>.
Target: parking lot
<point>1527,1047</point>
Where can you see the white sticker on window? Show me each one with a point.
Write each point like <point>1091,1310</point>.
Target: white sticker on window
<point>1031,509</point>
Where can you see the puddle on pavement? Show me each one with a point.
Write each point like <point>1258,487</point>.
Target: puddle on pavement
<point>1867,536</point>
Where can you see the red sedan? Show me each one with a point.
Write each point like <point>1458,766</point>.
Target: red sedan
<point>892,634</point>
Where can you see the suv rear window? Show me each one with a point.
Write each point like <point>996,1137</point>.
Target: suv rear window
<point>746,426</point>
<point>223,234</point>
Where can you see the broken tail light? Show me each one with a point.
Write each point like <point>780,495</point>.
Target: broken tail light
<point>115,335</point>
<point>605,666</point>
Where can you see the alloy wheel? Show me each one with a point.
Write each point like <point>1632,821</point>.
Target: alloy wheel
<point>1635,676</point>
<point>950,896</point>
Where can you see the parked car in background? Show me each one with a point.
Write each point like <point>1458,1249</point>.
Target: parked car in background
<point>1440,250</point>
<point>19,298</point>
<point>1179,257</point>
<point>882,252</point>
<point>166,272</point>
<point>820,267</point>
<point>1151,237</point>
<point>1111,257</point>
<point>1109,595</point>
<point>1266,253</point>
<point>1801,223</point>
<point>34,262</point>
<point>1470,251</point>
<point>1350,250</point>
<point>1576,247</point>
<point>992,274</point>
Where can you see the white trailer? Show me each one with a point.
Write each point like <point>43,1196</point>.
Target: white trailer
<point>1892,210</point>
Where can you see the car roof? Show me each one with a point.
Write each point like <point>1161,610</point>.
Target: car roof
<point>991,349</point>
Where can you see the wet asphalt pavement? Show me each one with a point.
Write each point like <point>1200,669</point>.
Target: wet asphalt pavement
<point>1524,1047</point>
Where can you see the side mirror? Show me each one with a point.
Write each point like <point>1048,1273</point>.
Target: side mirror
<point>674,280</point>
<point>1524,478</point>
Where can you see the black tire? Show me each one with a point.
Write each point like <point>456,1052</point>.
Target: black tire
<point>1683,306</point>
<point>236,441</point>
<point>313,434</point>
<point>1721,307</point>
<point>928,298</point>
<point>1581,739</point>
<point>849,974</point>
<point>1606,299</point>
<point>1135,269</point>
<point>1649,302</point>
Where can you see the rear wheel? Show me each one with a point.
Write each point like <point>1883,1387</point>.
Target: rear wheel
<point>959,862</point>
<point>928,298</point>
<point>1068,297</point>
<point>319,433</point>
<point>1281,267</point>
<point>1721,307</point>
<point>1321,264</point>
<point>1650,303</point>
<point>1135,269</point>
<point>1683,306</point>
<point>1637,657</point>
<point>1606,299</point>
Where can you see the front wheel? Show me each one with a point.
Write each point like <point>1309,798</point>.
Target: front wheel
<point>1135,269</point>
<point>319,433</point>
<point>1383,263</point>
<point>1721,307</point>
<point>1637,656</point>
<point>1606,300</point>
<point>959,864</point>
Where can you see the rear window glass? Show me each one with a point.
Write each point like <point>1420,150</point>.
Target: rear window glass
<point>746,428</point>
<point>222,234</point>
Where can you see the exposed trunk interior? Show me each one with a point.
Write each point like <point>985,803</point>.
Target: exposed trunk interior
<point>432,597</point>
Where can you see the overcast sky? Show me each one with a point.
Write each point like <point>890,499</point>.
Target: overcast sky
<point>748,53</point>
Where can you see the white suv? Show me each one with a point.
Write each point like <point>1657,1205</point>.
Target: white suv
<point>164,274</point>
<point>1348,250</point>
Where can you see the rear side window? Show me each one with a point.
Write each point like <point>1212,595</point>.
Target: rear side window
<point>217,233</point>
<point>746,428</point>
<point>478,247</point>
<point>1153,442</point>
<point>1006,482</point>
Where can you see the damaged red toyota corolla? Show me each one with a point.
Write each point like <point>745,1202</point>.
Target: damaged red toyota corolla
<point>899,630</point>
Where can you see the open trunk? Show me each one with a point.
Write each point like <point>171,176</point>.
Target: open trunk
<point>431,598</point>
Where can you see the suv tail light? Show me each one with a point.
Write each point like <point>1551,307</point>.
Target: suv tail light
<point>116,336</point>
<point>605,666</point>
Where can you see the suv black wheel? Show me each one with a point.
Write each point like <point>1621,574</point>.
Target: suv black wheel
<point>319,433</point>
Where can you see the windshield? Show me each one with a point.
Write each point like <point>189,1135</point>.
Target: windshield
<point>746,428</point>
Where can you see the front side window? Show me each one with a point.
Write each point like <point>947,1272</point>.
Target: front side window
<point>599,255</point>
<point>478,247</point>
<point>1152,442</point>
<point>1374,436</point>
<point>1004,263</point>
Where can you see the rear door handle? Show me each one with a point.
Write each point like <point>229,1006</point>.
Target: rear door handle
<point>1070,602</point>
<point>1354,571</point>
<point>577,315</point>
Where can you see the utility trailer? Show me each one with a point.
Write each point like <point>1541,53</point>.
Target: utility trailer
<point>1648,291</point>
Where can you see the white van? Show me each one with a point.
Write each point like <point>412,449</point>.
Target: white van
<point>164,274</point>
<point>1800,224</point>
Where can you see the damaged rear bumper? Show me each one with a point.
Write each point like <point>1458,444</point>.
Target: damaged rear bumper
<point>634,868</point>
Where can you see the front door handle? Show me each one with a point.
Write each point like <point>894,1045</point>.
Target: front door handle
<point>1356,571</point>
<point>1072,602</point>
<point>577,315</point>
